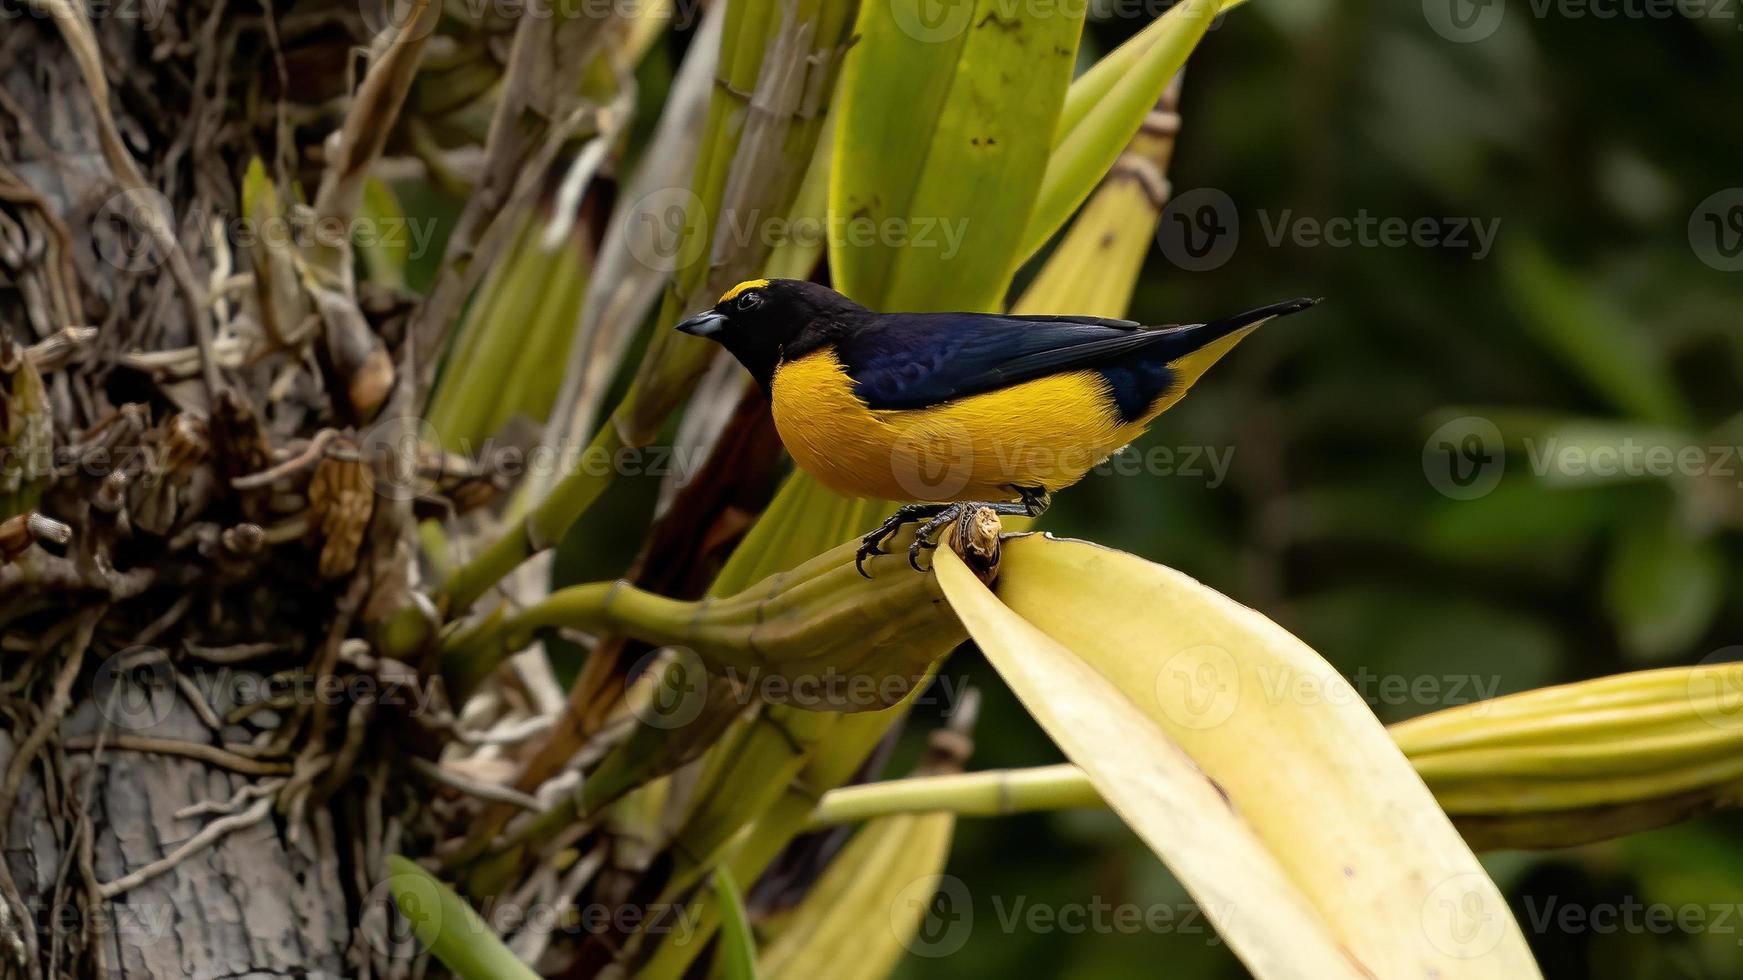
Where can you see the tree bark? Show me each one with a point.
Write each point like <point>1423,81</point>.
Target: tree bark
<point>256,902</point>
<point>252,904</point>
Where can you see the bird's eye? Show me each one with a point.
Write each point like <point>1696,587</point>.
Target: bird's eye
<point>750,300</point>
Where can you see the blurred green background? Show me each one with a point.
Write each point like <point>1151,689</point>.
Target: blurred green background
<point>1599,316</point>
<point>1412,477</point>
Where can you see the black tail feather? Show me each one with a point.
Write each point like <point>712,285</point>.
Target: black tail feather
<point>1183,340</point>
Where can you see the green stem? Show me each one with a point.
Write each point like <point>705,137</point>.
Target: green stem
<point>542,528</point>
<point>990,793</point>
<point>468,656</point>
<point>449,928</point>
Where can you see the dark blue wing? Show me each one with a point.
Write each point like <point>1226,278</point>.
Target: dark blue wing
<point>913,360</point>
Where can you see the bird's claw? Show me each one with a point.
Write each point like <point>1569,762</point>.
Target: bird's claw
<point>932,519</point>
<point>926,535</point>
<point>871,544</point>
<point>920,544</point>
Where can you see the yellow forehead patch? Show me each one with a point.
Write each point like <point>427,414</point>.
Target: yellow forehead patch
<point>741,287</point>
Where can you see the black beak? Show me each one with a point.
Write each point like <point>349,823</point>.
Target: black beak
<point>704,324</point>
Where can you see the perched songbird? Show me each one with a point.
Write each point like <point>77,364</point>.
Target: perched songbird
<point>956,410</point>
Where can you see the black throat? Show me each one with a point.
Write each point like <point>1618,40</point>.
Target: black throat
<point>761,356</point>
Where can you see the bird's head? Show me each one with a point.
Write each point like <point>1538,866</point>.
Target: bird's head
<point>765,321</point>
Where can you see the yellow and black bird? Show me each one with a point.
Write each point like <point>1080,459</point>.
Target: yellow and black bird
<point>956,410</point>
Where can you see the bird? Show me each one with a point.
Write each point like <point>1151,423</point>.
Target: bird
<point>956,411</point>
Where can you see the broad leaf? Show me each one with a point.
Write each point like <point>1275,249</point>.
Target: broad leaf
<point>1301,759</point>
<point>947,112</point>
<point>1156,788</point>
<point>1105,108</point>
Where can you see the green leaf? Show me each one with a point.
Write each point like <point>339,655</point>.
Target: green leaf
<point>1663,587</point>
<point>1520,519</point>
<point>761,162</point>
<point>449,928</point>
<point>1094,85</point>
<point>803,520</point>
<point>1095,267</point>
<point>519,327</point>
<point>259,197</point>
<point>387,248</point>
<point>738,953</point>
<point>1105,108</point>
<point>773,53</point>
<point>946,117</point>
<point>1614,355</point>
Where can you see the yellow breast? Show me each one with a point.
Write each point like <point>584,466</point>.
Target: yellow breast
<point>1045,433</point>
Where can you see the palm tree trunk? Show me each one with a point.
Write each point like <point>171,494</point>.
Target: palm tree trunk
<point>88,812</point>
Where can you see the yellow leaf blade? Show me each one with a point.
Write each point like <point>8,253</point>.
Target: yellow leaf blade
<point>1155,788</point>
<point>1303,760</point>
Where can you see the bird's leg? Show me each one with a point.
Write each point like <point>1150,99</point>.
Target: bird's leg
<point>873,543</point>
<point>960,511</point>
<point>1034,503</point>
<point>1035,500</point>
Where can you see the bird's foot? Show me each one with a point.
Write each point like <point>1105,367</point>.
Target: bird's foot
<point>1033,503</point>
<point>1035,500</point>
<point>929,533</point>
<point>873,543</point>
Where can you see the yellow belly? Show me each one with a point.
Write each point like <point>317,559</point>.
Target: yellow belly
<point>1044,433</point>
